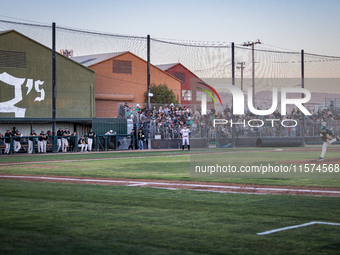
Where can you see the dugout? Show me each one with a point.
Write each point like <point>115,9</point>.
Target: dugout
<point>278,142</point>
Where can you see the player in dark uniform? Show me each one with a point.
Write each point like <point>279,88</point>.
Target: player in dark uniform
<point>64,139</point>
<point>90,137</point>
<point>8,136</point>
<point>41,143</point>
<point>328,137</point>
<point>17,139</point>
<point>60,133</point>
<point>30,141</point>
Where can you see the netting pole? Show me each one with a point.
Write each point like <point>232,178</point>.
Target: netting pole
<point>148,91</point>
<point>303,86</point>
<point>54,88</point>
<point>232,99</point>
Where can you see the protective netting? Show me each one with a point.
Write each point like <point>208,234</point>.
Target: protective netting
<point>212,63</point>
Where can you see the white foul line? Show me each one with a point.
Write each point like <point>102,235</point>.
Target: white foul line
<point>297,226</point>
<point>143,183</point>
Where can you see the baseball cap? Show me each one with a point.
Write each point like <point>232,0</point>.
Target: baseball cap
<point>7,129</point>
<point>60,128</point>
<point>33,130</point>
<point>111,131</point>
<point>66,128</point>
<point>42,130</point>
<point>322,128</point>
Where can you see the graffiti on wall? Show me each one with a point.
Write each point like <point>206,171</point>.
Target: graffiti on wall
<point>9,106</point>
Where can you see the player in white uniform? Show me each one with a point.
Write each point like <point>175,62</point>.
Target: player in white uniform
<point>185,132</point>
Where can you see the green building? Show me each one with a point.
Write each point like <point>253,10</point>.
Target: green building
<point>26,87</point>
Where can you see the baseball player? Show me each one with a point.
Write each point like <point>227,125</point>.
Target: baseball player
<point>30,141</point>
<point>185,132</point>
<point>328,137</point>
<point>90,136</point>
<point>41,143</point>
<point>17,138</point>
<point>64,141</point>
<point>82,144</point>
<point>8,136</point>
<point>60,133</point>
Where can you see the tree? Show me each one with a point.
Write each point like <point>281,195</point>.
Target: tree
<point>161,95</point>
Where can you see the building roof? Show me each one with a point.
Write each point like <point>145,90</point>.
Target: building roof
<point>90,60</point>
<point>42,45</point>
<point>165,67</point>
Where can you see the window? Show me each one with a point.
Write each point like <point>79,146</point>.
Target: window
<point>199,96</point>
<point>12,59</point>
<point>180,76</point>
<point>186,95</point>
<point>122,66</point>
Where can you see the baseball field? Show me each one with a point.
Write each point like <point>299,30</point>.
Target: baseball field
<point>150,202</point>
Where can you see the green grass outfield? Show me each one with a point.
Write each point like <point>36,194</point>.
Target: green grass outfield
<point>57,218</point>
<point>162,165</point>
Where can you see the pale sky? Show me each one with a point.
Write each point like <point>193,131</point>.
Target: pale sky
<point>293,25</point>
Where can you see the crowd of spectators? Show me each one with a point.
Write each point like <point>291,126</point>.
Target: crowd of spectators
<point>167,120</point>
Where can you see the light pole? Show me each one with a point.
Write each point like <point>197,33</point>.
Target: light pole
<point>252,44</point>
<point>240,65</point>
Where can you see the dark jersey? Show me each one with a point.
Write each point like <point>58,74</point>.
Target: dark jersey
<point>32,134</point>
<point>324,134</point>
<point>60,133</point>
<point>7,137</point>
<point>41,137</point>
<point>91,134</point>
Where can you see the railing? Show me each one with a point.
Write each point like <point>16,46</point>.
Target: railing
<point>100,143</point>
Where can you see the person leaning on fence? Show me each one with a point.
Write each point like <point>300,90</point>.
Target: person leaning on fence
<point>82,144</point>
<point>60,133</point>
<point>64,140</point>
<point>90,137</point>
<point>41,143</point>
<point>8,136</point>
<point>73,141</point>
<point>30,141</point>
<point>17,138</point>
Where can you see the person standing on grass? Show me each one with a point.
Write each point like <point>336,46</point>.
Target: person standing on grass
<point>328,137</point>
<point>185,132</point>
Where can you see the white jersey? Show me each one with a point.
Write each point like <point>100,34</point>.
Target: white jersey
<point>185,132</point>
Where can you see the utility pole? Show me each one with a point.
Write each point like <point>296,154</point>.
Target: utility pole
<point>252,44</point>
<point>240,65</point>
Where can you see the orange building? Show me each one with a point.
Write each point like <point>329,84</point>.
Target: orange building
<point>122,77</point>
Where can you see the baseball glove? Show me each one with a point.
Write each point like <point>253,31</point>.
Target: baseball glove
<point>328,137</point>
